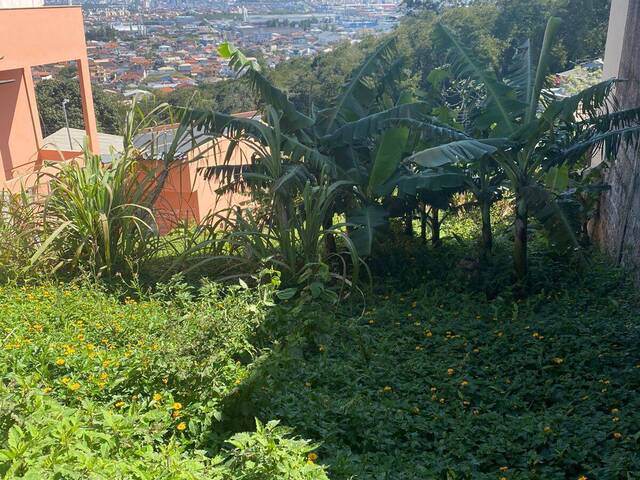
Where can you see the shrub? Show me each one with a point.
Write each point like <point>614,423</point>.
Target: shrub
<point>94,388</point>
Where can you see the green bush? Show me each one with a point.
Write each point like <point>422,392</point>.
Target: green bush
<point>91,387</point>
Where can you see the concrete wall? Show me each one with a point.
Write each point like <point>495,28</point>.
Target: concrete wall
<point>615,38</point>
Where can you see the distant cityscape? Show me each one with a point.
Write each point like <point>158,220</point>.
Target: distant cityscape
<point>139,47</point>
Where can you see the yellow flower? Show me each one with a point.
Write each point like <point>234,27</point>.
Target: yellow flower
<point>182,426</point>
<point>583,477</point>
<point>157,397</point>
<point>74,386</point>
<point>547,429</point>
<point>558,360</point>
<point>428,333</point>
<point>417,324</point>
<point>46,389</point>
<point>615,410</point>
<point>119,404</point>
<point>66,380</point>
<point>371,322</point>
<point>175,414</point>
<point>104,376</point>
<point>450,371</point>
<point>80,336</point>
<point>38,328</point>
<point>59,361</point>
<point>616,419</point>
<point>504,469</point>
<point>387,389</point>
<point>464,383</point>
<point>312,457</point>
<point>418,348</point>
<point>617,435</point>
<point>176,405</point>
<point>321,348</point>
<point>165,380</point>
<point>307,384</point>
<point>433,389</point>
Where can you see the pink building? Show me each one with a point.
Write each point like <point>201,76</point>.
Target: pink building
<point>34,36</point>
<point>30,37</point>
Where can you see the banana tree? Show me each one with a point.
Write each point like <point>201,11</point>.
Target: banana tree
<point>531,132</point>
<point>360,138</point>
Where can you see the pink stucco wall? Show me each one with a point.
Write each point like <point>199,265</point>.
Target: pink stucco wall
<point>30,37</point>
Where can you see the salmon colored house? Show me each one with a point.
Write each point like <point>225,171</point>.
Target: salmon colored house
<point>30,37</point>
<point>34,36</point>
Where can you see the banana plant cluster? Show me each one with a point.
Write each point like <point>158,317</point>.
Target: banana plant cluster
<point>384,148</point>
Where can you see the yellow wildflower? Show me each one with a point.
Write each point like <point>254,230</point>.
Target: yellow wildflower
<point>176,405</point>
<point>182,426</point>
<point>387,389</point>
<point>504,469</point>
<point>617,435</point>
<point>157,397</point>
<point>66,380</point>
<point>450,371</point>
<point>75,386</point>
<point>119,404</point>
<point>428,333</point>
<point>312,457</point>
<point>558,360</point>
<point>59,361</point>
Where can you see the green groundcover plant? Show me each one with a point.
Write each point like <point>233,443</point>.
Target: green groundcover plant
<point>91,387</point>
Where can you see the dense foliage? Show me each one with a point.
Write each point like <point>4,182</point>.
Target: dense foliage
<point>436,381</point>
<point>506,349</point>
<point>93,387</point>
<point>50,93</point>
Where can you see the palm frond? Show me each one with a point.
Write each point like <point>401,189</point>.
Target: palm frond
<point>522,73</point>
<point>461,151</point>
<point>415,116</point>
<point>360,91</point>
<point>501,99</point>
<point>292,119</point>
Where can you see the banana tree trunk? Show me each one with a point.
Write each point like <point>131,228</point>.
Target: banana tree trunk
<point>487,234</point>
<point>520,243</point>
<point>423,223</point>
<point>435,227</point>
<point>408,224</point>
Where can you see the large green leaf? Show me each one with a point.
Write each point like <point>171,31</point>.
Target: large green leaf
<point>461,151</point>
<point>553,24</point>
<point>521,75</point>
<point>412,115</point>
<point>360,91</point>
<point>364,223</point>
<point>501,101</point>
<point>559,218</point>
<point>430,181</point>
<point>292,119</point>
<point>388,156</point>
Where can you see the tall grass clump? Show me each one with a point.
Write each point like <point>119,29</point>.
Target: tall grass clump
<point>100,217</point>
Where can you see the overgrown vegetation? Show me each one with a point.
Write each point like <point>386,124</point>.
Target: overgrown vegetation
<point>505,349</point>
